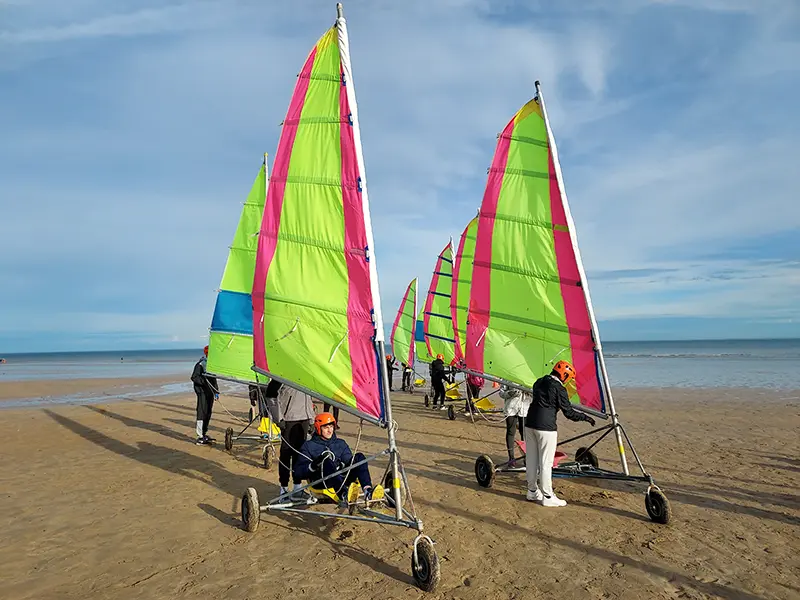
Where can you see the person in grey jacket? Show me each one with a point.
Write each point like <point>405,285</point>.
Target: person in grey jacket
<point>515,407</point>
<point>295,418</point>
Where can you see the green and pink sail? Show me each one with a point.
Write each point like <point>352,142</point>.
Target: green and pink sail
<point>462,283</point>
<point>437,322</point>
<point>402,336</point>
<point>527,307</point>
<point>316,304</point>
<point>230,343</point>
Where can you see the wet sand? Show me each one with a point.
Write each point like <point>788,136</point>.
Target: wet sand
<point>115,501</point>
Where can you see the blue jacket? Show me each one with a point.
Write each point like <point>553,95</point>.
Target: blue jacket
<point>315,446</point>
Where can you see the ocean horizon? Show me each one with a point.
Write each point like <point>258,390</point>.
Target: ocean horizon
<point>758,363</point>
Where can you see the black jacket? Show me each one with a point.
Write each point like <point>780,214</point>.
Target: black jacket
<point>549,395</point>
<point>201,380</point>
<point>437,369</point>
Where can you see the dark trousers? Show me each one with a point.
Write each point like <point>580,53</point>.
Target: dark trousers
<point>473,393</point>
<point>292,437</point>
<point>340,482</point>
<point>205,405</point>
<point>407,380</point>
<point>438,389</point>
<point>513,423</point>
<point>327,408</point>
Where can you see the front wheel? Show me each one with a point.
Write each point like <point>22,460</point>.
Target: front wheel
<point>427,401</point>
<point>484,471</point>
<point>451,413</point>
<point>251,511</point>
<point>657,505</point>
<point>229,439</point>
<point>426,566</point>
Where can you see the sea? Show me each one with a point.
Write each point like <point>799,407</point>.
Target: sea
<point>771,363</point>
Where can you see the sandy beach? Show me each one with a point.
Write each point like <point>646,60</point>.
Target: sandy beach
<point>115,501</point>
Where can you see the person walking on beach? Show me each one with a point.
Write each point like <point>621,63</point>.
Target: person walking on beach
<point>295,418</point>
<point>207,391</point>
<point>541,436</point>
<point>438,375</point>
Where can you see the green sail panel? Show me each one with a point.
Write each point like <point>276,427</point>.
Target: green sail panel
<point>402,337</point>
<point>419,339</point>
<point>462,281</point>
<point>230,345</point>
<point>437,320</point>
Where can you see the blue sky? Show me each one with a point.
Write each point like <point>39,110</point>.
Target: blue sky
<point>132,130</point>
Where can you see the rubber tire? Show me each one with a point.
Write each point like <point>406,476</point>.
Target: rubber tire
<point>585,456</point>
<point>658,507</point>
<point>428,573</point>
<point>387,486</point>
<point>268,456</point>
<point>427,401</point>
<point>251,511</point>
<point>451,413</point>
<point>229,439</point>
<point>484,471</point>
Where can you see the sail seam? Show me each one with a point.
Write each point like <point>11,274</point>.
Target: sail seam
<point>520,172</point>
<point>524,140</point>
<point>518,271</point>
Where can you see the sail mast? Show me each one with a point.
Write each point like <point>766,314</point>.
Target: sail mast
<point>584,280</point>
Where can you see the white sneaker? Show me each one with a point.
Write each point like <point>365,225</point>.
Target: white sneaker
<point>443,407</point>
<point>553,501</point>
<point>536,496</point>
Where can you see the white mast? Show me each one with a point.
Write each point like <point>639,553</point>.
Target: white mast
<point>584,282</point>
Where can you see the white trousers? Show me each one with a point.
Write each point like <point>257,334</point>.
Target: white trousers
<point>540,450</point>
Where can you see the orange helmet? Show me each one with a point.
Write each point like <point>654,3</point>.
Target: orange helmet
<point>321,420</point>
<point>564,370</point>
<point>388,356</point>
<point>205,350</point>
<point>440,356</point>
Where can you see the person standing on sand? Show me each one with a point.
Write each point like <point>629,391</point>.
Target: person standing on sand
<point>515,407</point>
<point>295,418</point>
<point>438,376</point>
<point>541,436</point>
<point>390,369</point>
<point>406,383</point>
<point>207,391</point>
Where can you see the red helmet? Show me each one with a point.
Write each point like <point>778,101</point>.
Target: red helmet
<point>440,356</point>
<point>564,370</point>
<point>321,420</point>
<point>205,350</point>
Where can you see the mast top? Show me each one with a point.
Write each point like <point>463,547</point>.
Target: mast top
<point>339,10</point>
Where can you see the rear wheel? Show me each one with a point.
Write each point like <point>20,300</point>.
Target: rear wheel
<point>251,511</point>
<point>427,401</point>
<point>229,439</point>
<point>451,413</point>
<point>657,505</point>
<point>426,566</point>
<point>586,457</point>
<point>484,471</point>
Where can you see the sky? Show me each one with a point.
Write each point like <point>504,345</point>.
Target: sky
<point>131,132</point>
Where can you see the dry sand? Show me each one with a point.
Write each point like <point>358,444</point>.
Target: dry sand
<point>115,501</point>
